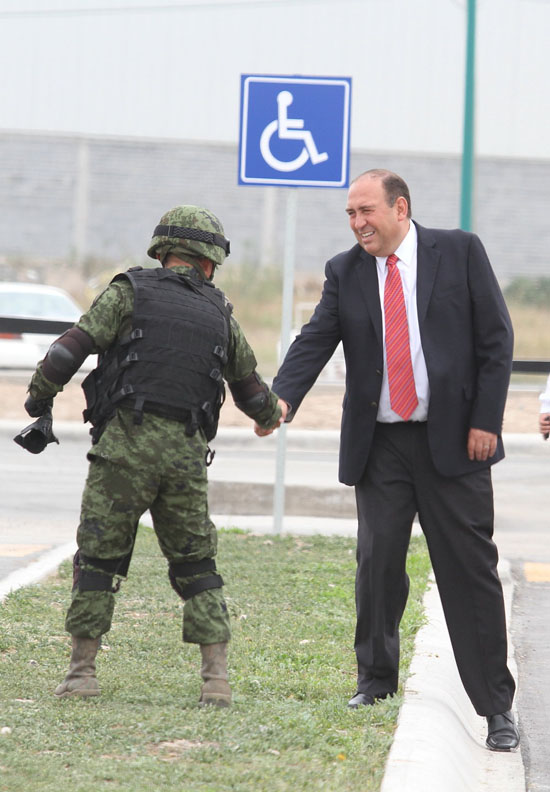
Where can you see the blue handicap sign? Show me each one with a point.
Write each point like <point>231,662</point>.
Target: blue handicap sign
<point>294,131</point>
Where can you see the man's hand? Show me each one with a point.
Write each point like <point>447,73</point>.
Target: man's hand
<point>544,425</point>
<point>481,445</point>
<point>264,432</point>
<point>37,407</point>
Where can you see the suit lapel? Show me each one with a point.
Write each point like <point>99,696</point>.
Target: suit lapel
<point>367,276</point>
<point>427,263</point>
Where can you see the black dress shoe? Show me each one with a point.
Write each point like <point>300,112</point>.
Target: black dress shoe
<point>361,700</point>
<point>502,732</point>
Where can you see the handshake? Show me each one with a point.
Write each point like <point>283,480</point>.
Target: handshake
<point>261,432</point>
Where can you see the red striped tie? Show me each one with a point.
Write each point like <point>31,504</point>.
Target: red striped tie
<point>403,397</point>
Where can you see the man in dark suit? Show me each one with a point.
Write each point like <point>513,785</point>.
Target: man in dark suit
<point>428,346</point>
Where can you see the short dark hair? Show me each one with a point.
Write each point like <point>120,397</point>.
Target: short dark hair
<point>394,186</point>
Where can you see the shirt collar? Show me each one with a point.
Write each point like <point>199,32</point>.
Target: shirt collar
<point>405,251</point>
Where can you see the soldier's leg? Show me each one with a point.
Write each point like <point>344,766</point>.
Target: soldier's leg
<point>113,500</point>
<point>188,539</point>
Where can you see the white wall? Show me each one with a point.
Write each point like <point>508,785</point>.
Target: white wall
<point>172,69</point>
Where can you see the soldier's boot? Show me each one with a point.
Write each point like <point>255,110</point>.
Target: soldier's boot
<point>215,689</point>
<point>81,679</point>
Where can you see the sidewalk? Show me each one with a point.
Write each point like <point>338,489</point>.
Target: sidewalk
<point>440,740</point>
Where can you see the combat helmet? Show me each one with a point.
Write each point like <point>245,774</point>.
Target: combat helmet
<point>191,229</point>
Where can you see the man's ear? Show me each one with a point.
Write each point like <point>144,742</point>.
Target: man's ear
<point>402,208</point>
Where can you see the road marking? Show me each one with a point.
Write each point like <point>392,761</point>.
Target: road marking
<point>20,550</point>
<point>536,573</point>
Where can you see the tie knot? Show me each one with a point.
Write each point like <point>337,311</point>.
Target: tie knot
<point>391,260</point>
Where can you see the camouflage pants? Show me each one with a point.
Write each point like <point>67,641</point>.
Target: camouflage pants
<point>133,468</point>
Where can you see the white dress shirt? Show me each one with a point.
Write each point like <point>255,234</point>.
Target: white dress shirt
<point>406,253</point>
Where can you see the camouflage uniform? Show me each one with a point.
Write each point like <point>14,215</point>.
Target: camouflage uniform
<point>156,466</point>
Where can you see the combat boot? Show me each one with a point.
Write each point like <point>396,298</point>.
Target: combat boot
<point>216,689</point>
<point>81,679</point>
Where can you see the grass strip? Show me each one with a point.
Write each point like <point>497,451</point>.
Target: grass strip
<point>292,669</point>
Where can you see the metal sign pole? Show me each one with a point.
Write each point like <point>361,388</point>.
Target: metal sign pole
<point>286,324</point>
<point>468,148</point>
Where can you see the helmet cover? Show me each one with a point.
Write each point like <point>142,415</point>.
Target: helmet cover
<point>190,229</point>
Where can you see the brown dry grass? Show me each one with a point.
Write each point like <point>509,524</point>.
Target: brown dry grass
<point>532,331</point>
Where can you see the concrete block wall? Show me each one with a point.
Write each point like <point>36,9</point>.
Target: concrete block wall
<point>71,197</point>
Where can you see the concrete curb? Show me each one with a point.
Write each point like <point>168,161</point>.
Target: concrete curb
<point>36,570</point>
<point>440,740</point>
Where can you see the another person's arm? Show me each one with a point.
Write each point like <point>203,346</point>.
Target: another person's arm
<point>544,417</point>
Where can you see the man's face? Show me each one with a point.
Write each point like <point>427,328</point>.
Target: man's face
<point>378,228</point>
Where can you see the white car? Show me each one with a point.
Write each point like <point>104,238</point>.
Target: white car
<point>21,350</point>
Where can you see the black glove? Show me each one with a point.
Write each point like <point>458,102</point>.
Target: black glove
<point>37,407</point>
<point>35,438</point>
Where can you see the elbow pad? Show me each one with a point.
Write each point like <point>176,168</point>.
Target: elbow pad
<point>66,355</point>
<point>250,394</point>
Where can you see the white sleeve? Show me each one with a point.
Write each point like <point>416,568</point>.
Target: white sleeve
<point>545,398</point>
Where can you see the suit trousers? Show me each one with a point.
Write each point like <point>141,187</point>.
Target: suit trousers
<point>456,516</point>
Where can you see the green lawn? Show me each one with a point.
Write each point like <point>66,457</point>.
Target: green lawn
<point>292,669</point>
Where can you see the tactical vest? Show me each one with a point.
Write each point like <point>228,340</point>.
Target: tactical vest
<point>171,362</point>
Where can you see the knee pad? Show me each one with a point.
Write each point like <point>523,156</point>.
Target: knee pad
<point>187,569</point>
<point>98,579</point>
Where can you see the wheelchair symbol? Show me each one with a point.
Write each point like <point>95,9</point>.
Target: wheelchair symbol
<point>289,129</point>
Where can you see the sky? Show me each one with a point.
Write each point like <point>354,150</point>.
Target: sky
<point>138,68</point>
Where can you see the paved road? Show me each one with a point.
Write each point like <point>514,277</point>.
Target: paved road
<point>41,496</point>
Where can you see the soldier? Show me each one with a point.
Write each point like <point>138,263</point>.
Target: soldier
<point>166,341</point>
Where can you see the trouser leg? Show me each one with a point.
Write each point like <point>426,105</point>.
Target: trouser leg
<point>205,614</point>
<point>112,502</point>
<point>90,613</point>
<point>386,509</point>
<point>188,539</point>
<point>457,518</point>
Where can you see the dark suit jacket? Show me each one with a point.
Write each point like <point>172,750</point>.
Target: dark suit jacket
<point>467,340</point>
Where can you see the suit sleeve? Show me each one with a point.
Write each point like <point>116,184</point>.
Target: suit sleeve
<point>494,341</point>
<point>312,348</point>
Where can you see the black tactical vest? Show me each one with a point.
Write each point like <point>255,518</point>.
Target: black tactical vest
<point>171,362</point>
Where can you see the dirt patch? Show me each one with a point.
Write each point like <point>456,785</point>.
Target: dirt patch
<point>173,750</point>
